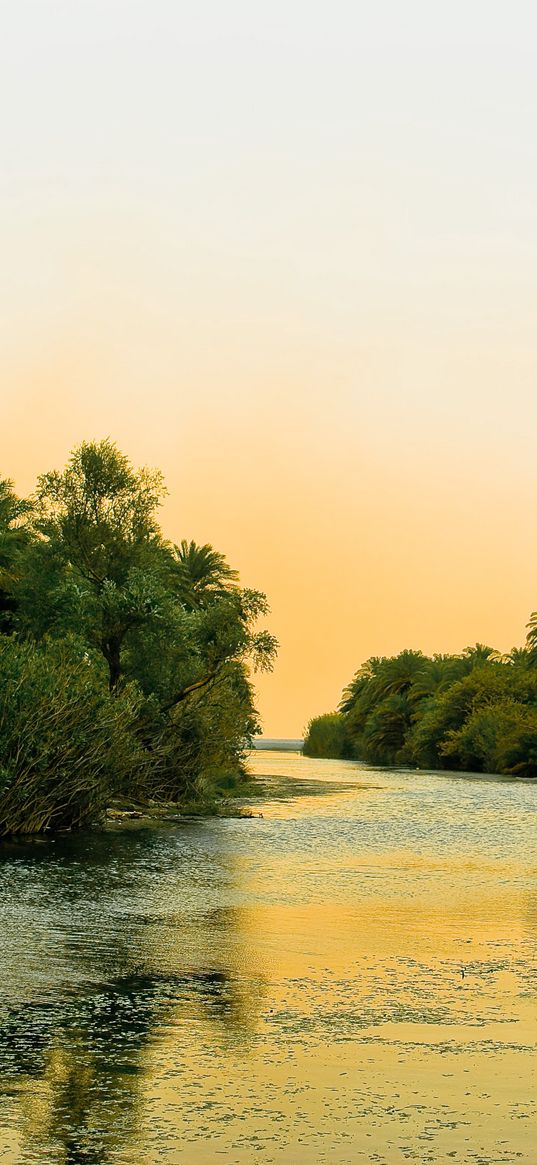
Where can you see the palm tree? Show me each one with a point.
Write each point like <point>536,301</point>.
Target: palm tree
<point>386,728</point>
<point>479,654</point>
<point>433,677</point>
<point>531,639</point>
<point>359,683</point>
<point>519,656</point>
<point>201,574</point>
<point>377,681</point>
<point>398,673</point>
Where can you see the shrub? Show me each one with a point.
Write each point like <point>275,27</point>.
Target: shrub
<point>500,737</point>
<point>326,736</point>
<point>65,746</point>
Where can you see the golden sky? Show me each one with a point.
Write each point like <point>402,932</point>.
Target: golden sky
<point>288,254</point>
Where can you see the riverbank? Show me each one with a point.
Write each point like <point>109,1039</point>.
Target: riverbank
<point>133,815</point>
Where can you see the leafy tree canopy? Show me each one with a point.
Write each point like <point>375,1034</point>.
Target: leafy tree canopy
<point>89,584</point>
<point>474,710</point>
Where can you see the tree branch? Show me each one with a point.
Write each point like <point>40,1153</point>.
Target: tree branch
<point>188,690</point>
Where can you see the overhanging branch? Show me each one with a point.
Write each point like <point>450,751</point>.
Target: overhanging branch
<point>182,695</point>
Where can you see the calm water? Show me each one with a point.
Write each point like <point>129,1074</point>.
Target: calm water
<point>351,977</point>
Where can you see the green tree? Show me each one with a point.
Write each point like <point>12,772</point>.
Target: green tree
<point>473,710</point>
<point>13,541</point>
<point>100,549</point>
<point>497,737</point>
<point>177,638</point>
<point>385,731</point>
<point>192,666</point>
<point>200,575</point>
<point>380,705</point>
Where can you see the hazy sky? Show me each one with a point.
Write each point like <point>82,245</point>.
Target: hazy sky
<point>287,252</point>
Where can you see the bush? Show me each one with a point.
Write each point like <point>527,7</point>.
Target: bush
<point>66,747</point>
<point>197,754</point>
<point>499,738</point>
<point>326,736</point>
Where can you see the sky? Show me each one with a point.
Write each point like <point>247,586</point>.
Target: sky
<point>287,253</point>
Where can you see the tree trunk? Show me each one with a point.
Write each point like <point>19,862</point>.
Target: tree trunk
<point>112,654</point>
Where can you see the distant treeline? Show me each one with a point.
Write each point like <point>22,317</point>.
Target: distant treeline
<point>124,658</point>
<point>476,712</point>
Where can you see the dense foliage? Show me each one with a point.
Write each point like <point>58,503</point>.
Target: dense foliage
<point>124,659</point>
<point>326,736</point>
<point>476,711</point>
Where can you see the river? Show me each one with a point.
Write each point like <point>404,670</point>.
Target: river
<point>349,977</point>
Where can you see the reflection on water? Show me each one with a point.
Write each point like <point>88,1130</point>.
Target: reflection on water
<point>350,978</point>
<point>84,1057</point>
